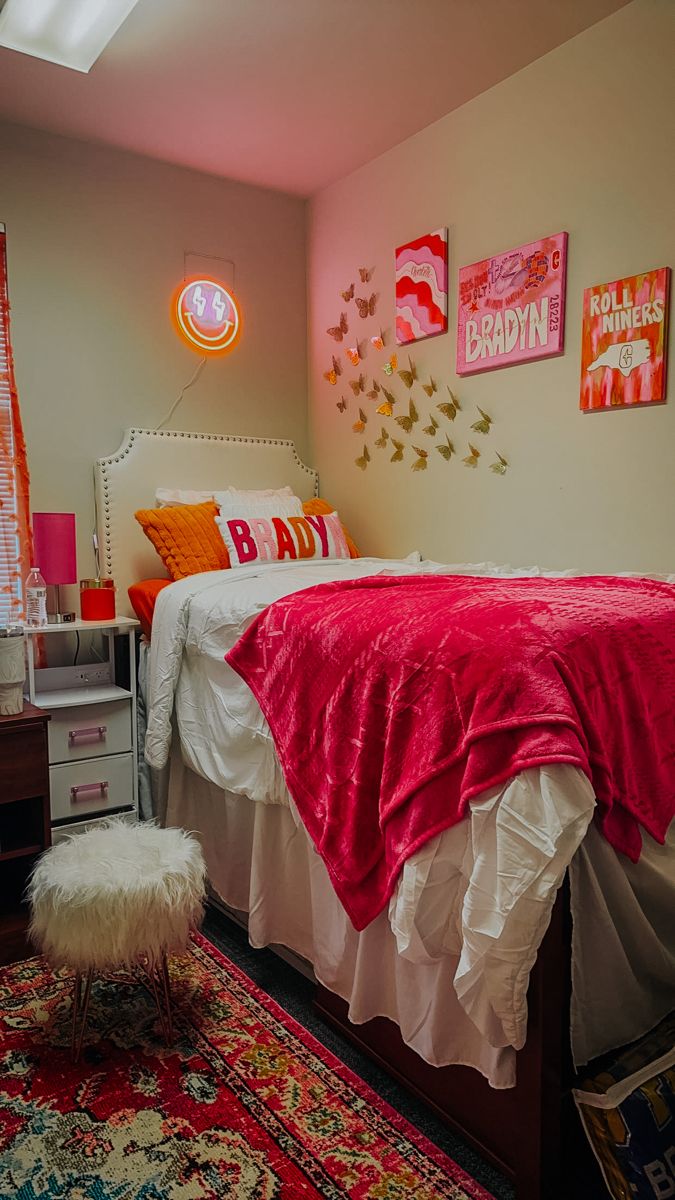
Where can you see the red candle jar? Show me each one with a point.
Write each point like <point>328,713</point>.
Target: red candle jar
<point>97,599</point>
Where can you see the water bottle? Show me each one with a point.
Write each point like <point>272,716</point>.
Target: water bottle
<point>36,598</point>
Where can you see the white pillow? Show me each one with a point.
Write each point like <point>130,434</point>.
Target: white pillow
<point>252,538</point>
<point>266,502</point>
<point>170,497</point>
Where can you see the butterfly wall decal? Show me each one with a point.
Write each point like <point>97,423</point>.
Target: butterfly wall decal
<point>358,385</point>
<point>483,425</point>
<point>397,456</point>
<point>431,428</point>
<point>337,332</point>
<point>366,307</point>
<point>501,466</point>
<point>363,459</point>
<point>360,425</point>
<point>386,409</point>
<point>429,388</point>
<point>341,404</point>
<point>353,355</point>
<point>390,367</point>
<point>472,457</point>
<point>366,274</point>
<point>420,463</point>
<point>446,449</point>
<point>410,375</point>
<point>332,374</point>
<point>448,409</point>
<point>374,391</point>
<point>377,342</point>
<point>382,440</point>
<point>453,398</point>
<point>406,422</point>
<point>349,294</point>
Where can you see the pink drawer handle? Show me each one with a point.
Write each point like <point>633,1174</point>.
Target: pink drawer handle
<point>77,792</point>
<point>96,733</point>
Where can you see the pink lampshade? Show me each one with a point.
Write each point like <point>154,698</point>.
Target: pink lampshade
<point>54,546</point>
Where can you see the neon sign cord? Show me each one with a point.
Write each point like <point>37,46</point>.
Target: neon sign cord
<point>193,379</point>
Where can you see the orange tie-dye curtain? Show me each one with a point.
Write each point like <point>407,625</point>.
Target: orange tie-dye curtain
<point>15,533</point>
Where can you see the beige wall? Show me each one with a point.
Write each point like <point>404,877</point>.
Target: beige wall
<point>580,140</point>
<point>95,248</point>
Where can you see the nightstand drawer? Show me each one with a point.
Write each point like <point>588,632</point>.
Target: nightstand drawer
<point>93,786</point>
<point>90,730</point>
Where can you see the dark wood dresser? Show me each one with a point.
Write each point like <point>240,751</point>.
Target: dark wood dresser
<point>24,820</point>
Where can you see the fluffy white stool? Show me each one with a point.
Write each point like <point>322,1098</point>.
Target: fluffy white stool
<point>118,897</point>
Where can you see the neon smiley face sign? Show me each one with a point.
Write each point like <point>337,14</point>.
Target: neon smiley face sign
<point>206,315</point>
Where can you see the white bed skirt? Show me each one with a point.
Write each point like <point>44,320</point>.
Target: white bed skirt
<point>252,851</point>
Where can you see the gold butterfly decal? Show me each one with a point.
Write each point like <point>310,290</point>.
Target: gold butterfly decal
<point>366,307</point>
<point>360,425</point>
<point>374,391</point>
<point>447,409</point>
<point>390,367</point>
<point>366,274</point>
<point>499,467</point>
<point>336,369</point>
<point>397,456</point>
<point>430,388</point>
<point>483,425</point>
<point>358,385</point>
<point>377,342</point>
<point>432,427</point>
<point>386,409</point>
<point>420,463</point>
<point>409,376</point>
<point>363,459</point>
<point>411,419</point>
<point>341,404</point>
<point>353,355</point>
<point>454,399</point>
<point>382,440</point>
<point>446,449</point>
<point>471,459</point>
<point>349,294</point>
<point>337,332</point>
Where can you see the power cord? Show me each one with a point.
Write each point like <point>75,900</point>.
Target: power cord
<point>192,380</point>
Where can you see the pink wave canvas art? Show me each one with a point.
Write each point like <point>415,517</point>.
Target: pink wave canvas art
<point>422,288</point>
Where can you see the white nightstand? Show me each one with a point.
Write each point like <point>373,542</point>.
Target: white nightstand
<point>93,752</point>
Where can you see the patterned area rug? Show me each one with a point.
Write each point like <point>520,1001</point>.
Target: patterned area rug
<point>245,1104</point>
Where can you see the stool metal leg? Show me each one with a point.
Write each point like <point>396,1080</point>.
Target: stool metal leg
<point>166,982</point>
<point>85,1012</point>
<point>77,990</point>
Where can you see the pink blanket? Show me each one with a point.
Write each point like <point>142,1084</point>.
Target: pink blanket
<point>395,700</point>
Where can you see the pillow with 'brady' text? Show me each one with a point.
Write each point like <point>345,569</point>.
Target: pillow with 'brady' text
<point>251,540</point>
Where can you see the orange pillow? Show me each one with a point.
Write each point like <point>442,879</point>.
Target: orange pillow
<point>319,508</point>
<point>143,596</point>
<point>186,538</point>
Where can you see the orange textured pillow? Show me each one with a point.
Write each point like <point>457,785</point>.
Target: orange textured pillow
<point>319,508</point>
<point>186,538</point>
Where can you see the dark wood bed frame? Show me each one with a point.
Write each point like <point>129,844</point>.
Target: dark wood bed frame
<point>531,1132</point>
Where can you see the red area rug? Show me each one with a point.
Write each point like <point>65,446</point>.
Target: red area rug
<point>246,1104</point>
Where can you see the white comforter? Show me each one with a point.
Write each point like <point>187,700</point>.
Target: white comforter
<point>482,891</point>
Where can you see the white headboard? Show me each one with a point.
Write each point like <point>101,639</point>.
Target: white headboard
<point>149,459</point>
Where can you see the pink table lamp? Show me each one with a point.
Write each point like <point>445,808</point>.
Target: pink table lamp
<point>54,553</point>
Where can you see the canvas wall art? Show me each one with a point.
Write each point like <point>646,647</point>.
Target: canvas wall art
<point>422,288</point>
<point>624,342</point>
<point>511,308</point>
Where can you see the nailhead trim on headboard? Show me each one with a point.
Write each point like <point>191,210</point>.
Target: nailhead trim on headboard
<point>127,447</point>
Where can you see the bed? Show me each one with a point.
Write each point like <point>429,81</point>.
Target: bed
<point>450,972</point>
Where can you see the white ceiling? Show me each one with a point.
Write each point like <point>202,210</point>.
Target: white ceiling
<point>290,94</point>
